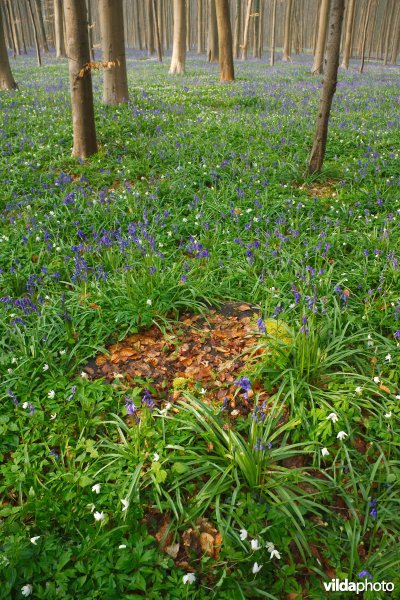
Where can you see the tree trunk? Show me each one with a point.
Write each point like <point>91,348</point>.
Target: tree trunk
<point>328,87</point>
<point>246,30</point>
<point>80,78</point>
<point>321,39</point>
<point>225,40</point>
<point>90,29</point>
<point>238,28</point>
<point>21,29</point>
<point>396,39</point>
<point>212,50</point>
<point>364,35</point>
<point>157,28</point>
<point>150,28</point>
<point>7,81</point>
<point>115,83</point>
<point>348,36</point>
<point>200,45</point>
<point>287,42</point>
<point>11,15</point>
<point>272,58</point>
<point>256,27</point>
<point>42,29</point>
<point>35,34</point>
<point>179,43</point>
<point>59,28</point>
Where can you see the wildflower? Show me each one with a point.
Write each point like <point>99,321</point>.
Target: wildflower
<point>364,573</point>
<point>189,578</point>
<point>261,325</point>
<point>255,545</point>
<point>125,504</point>
<point>156,457</point>
<point>256,568</point>
<point>25,405</point>
<point>376,380</point>
<point>325,452</point>
<point>259,445</point>
<point>121,546</point>
<point>84,375</point>
<point>333,417</point>
<point>27,589</point>
<point>96,488</point>
<point>53,416</point>
<point>374,511</point>
<point>31,409</point>
<point>35,539</point>
<point>342,435</point>
<point>243,534</point>
<point>130,406</point>
<point>270,546</point>
<point>388,415</point>
<point>244,383</point>
<point>148,302</point>
<point>72,394</point>
<point>358,390</point>
<point>51,394</point>
<point>14,397</point>
<point>147,399</point>
<point>98,516</point>
<point>275,554</point>
<point>388,357</point>
<point>45,367</point>
<point>396,335</point>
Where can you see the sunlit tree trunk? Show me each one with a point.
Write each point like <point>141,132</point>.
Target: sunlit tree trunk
<point>90,29</point>
<point>246,30</point>
<point>200,47</point>
<point>256,28</point>
<point>321,39</point>
<point>225,40</point>
<point>328,87</point>
<point>287,42</point>
<point>212,45</point>
<point>396,38</point>
<point>349,34</point>
<point>7,81</point>
<point>11,16</point>
<point>115,83</point>
<point>179,43</point>
<point>80,77</point>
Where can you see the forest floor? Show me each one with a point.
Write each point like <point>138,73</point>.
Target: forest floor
<point>200,344</point>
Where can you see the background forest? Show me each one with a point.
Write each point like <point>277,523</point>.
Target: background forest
<point>200,337</point>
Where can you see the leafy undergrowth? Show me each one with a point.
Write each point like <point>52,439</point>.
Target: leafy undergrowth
<point>152,447</point>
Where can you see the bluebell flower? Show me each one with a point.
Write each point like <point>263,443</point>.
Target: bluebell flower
<point>374,511</point>
<point>261,325</point>
<point>244,383</point>
<point>364,573</point>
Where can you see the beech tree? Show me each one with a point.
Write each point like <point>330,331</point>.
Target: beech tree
<point>287,41</point>
<point>84,130</point>
<point>328,87</point>
<point>348,34</point>
<point>115,82</point>
<point>212,46</point>
<point>7,81</point>
<point>246,30</point>
<point>179,43</point>
<point>225,40</point>
<point>59,28</point>
<point>321,39</point>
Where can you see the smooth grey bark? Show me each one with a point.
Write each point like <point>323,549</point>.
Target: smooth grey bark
<point>328,87</point>
<point>84,129</point>
<point>35,34</point>
<point>115,82</point>
<point>287,43</point>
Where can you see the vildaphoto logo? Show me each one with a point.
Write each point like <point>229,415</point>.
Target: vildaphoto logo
<point>344,585</point>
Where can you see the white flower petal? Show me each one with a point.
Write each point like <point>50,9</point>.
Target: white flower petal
<point>189,578</point>
<point>243,534</point>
